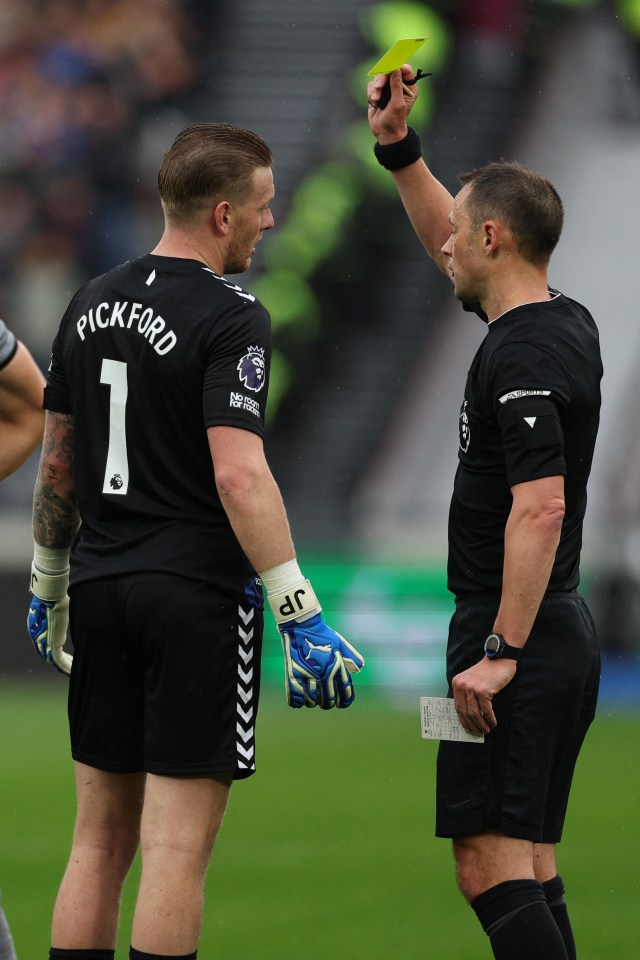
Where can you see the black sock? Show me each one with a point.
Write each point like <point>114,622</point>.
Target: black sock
<point>554,892</point>
<point>516,917</point>
<point>138,955</point>
<point>57,954</point>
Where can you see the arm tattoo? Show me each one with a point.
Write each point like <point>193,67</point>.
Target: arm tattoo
<point>55,508</point>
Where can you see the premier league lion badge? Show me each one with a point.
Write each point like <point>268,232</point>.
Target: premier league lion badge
<point>251,369</point>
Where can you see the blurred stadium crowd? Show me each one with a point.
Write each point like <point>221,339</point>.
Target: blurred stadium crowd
<point>91,93</point>
<point>86,88</point>
<point>83,85</point>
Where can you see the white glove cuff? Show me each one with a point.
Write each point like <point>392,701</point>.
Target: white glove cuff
<point>46,587</point>
<point>51,560</point>
<point>282,577</point>
<point>297,603</point>
<point>49,573</point>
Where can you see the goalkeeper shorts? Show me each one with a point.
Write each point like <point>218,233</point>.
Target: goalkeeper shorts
<point>165,678</point>
<point>517,782</point>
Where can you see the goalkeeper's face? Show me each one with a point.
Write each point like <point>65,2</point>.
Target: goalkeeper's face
<point>248,221</point>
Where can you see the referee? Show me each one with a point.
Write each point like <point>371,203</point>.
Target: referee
<point>522,658</point>
<point>155,404</point>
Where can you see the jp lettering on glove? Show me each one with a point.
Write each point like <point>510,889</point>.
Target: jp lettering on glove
<point>49,607</point>
<point>318,660</point>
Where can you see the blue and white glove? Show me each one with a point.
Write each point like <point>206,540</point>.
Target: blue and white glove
<point>318,660</point>
<point>318,663</point>
<point>49,612</point>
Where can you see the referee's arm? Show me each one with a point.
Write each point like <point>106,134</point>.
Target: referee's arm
<point>428,205</point>
<point>427,202</point>
<point>532,535</point>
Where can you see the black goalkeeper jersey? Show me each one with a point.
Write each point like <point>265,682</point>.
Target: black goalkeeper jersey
<point>146,358</point>
<point>531,409</point>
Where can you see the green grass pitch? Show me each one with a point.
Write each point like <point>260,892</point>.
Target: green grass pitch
<point>329,849</point>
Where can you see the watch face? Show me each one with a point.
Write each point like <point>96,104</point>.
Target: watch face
<point>493,645</point>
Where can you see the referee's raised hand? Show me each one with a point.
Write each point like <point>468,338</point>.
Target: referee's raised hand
<point>388,121</point>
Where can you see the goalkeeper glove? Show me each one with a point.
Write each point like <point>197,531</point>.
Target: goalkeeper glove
<point>49,608</point>
<point>318,661</point>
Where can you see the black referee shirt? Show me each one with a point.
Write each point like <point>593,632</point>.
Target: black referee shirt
<point>530,410</point>
<point>147,357</point>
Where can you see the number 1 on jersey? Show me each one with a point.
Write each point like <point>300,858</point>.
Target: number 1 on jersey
<point>116,474</point>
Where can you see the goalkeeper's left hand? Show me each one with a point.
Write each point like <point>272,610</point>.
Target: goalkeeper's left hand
<point>49,617</point>
<point>318,664</point>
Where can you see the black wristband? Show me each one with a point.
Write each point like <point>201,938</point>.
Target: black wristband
<point>402,153</point>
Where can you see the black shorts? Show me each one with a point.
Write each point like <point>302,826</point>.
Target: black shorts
<point>517,782</point>
<point>165,678</point>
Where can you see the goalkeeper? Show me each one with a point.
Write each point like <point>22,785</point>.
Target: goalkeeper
<point>155,406</point>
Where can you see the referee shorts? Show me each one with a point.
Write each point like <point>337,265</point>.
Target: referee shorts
<point>166,676</point>
<point>518,781</point>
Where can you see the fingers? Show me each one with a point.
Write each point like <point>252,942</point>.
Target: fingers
<point>300,686</point>
<point>337,690</point>
<point>61,661</point>
<point>375,88</point>
<point>352,658</point>
<point>64,662</point>
<point>38,627</point>
<point>318,673</point>
<point>396,81</point>
<point>475,711</point>
<point>300,693</point>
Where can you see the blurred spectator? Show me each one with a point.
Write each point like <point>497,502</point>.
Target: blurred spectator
<point>88,88</point>
<point>82,82</point>
<point>78,81</point>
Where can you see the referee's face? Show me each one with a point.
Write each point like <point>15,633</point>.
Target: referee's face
<point>250,219</point>
<point>463,251</point>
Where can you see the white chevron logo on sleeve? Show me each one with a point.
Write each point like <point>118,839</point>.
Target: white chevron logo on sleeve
<point>245,695</point>
<point>530,421</point>
<point>246,617</point>
<point>245,637</point>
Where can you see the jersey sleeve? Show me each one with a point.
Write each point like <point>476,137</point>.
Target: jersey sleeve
<point>528,392</point>
<point>56,392</point>
<point>236,381</point>
<point>8,345</point>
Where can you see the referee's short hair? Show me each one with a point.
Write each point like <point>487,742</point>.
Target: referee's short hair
<point>209,162</point>
<point>526,201</point>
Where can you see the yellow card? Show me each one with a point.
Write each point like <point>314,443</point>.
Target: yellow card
<point>397,55</point>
